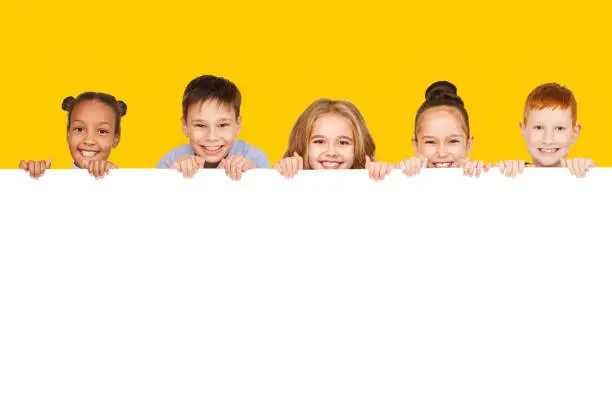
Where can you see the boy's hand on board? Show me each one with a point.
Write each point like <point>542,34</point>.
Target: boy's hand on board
<point>413,166</point>
<point>98,168</point>
<point>578,167</point>
<point>474,168</point>
<point>378,170</point>
<point>511,168</point>
<point>236,165</point>
<point>35,168</point>
<point>188,165</point>
<point>288,167</point>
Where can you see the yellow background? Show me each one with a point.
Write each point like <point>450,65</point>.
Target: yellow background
<point>380,55</point>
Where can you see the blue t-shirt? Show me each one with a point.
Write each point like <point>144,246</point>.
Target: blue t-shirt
<point>239,147</point>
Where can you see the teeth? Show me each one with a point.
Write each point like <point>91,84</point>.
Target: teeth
<point>212,148</point>
<point>548,150</point>
<point>442,164</point>
<point>88,154</point>
<point>330,165</point>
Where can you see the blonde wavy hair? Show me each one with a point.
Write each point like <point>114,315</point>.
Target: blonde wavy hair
<point>299,139</point>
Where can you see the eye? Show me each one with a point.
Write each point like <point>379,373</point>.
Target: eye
<point>317,141</point>
<point>430,142</point>
<point>560,128</point>
<point>345,142</point>
<point>104,131</point>
<point>200,125</point>
<point>455,141</point>
<point>78,129</point>
<point>538,127</point>
<point>224,125</point>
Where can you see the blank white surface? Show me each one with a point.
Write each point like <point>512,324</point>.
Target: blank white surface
<point>328,290</point>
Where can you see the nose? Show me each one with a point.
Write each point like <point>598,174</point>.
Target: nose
<point>211,134</point>
<point>89,138</point>
<point>442,150</point>
<point>331,149</point>
<point>549,135</point>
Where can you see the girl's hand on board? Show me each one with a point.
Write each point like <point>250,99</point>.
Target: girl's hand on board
<point>289,167</point>
<point>35,168</point>
<point>378,170</point>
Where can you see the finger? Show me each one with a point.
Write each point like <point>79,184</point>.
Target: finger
<point>581,168</point>
<point>49,163</point>
<point>584,167</point>
<point>37,169</point>
<point>479,167</point>
<point>570,165</point>
<point>563,162</point>
<point>201,161</point>
<point>502,166</point>
<point>294,164</point>
<point>521,166</point>
<point>368,161</point>
<point>23,165</point>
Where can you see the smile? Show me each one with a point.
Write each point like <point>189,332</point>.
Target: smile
<point>88,153</point>
<point>330,164</point>
<point>442,164</point>
<point>212,149</point>
<point>549,150</point>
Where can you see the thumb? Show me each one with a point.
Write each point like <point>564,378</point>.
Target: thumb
<point>49,163</point>
<point>368,160</point>
<point>85,164</point>
<point>296,155</point>
<point>563,162</point>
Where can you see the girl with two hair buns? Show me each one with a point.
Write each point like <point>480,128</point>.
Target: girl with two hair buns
<point>93,130</point>
<point>442,136</point>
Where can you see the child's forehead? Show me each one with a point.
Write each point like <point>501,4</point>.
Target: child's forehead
<point>331,124</point>
<point>441,122</point>
<point>211,108</point>
<point>550,113</point>
<point>91,110</point>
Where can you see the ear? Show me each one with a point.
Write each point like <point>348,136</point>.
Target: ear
<point>238,125</point>
<point>523,128</point>
<point>470,143</point>
<point>415,147</point>
<point>184,124</point>
<point>116,140</point>
<point>576,132</point>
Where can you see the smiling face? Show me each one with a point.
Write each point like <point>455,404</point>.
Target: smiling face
<point>549,133</point>
<point>332,143</point>
<point>91,133</point>
<point>441,138</point>
<point>211,128</point>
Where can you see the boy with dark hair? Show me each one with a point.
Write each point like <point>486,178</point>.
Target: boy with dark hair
<point>211,121</point>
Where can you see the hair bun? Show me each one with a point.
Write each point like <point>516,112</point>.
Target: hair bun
<point>67,103</point>
<point>122,107</point>
<point>442,90</point>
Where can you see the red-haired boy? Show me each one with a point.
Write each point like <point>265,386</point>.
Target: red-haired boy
<point>550,128</point>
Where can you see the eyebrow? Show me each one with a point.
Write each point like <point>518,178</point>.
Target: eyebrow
<point>447,136</point>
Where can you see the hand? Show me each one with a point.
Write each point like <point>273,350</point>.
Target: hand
<point>188,165</point>
<point>98,168</point>
<point>474,168</point>
<point>378,170</point>
<point>511,168</point>
<point>236,165</point>
<point>412,167</point>
<point>35,168</point>
<point>578,167</point>
<point>289,166</point>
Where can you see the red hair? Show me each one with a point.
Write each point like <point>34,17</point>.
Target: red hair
<point>553,96</point>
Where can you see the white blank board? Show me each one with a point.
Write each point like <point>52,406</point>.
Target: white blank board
<point>328,290</point>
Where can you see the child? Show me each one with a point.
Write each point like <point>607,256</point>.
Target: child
<point>549,128</point>
<point>94,129</point>
<point>211,121</point>
<point>442,136</point>
<point>331,135</point>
